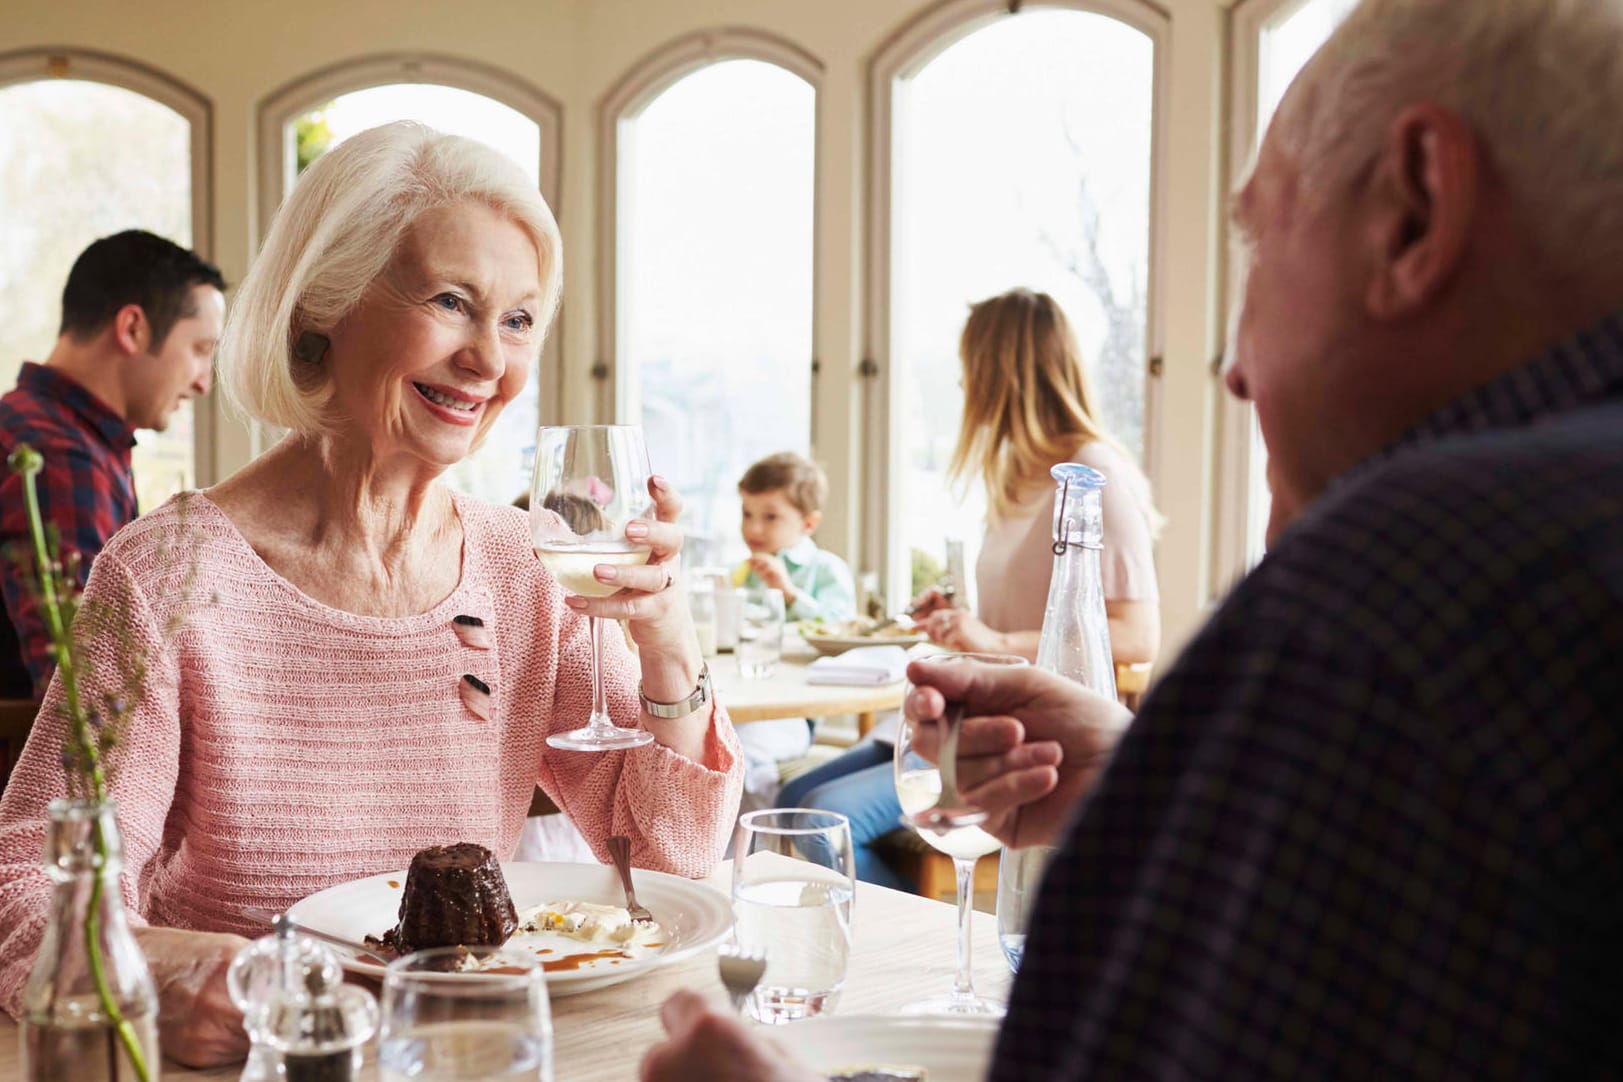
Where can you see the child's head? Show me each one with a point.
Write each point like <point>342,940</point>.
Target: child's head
<point>783,501</point>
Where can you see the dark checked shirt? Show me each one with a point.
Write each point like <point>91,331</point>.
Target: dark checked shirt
<point>1370,824</point>
<point>86,492</point>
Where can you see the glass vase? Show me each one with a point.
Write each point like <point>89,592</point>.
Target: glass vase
<point>90,1009</point>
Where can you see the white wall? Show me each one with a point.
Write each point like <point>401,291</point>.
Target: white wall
<point>236,53</point>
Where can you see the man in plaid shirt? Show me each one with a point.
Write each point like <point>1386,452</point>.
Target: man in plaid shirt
<point>141,320</point>
<point>1370,823</point>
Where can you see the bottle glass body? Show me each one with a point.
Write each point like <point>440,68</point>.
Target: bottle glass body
<point>1075,643</point>
<point>88,960</point>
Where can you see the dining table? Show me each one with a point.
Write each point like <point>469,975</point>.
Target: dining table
<point>903,950</point>
<point>786,693</point>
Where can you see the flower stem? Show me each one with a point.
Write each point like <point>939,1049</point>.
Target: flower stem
<point>98,970</point>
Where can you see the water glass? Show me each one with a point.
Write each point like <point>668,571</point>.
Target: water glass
<point>702,604</point>
<point>1019,874</point>
<point>440,1025</point>
<point>760,634</point>
<point>794,876</point>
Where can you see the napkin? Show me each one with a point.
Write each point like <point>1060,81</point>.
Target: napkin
<point>867,666</point>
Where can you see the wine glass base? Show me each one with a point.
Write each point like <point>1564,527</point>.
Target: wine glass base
<point>955,1004</point>
<point>608,738</point>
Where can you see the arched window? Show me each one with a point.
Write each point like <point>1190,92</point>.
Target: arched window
<point>303,120</point>
<point>706,318</point>
<point>92,145</point>
<point>1009,150</point>
<point>1273,39</point>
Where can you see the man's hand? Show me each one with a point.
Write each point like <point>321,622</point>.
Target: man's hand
<point>1030,746</point>
<point>772,572</point>
<point>198,1025</point>
<point>707,1044</point>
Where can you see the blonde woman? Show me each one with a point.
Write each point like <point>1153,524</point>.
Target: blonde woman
<point>1027,406</point>
<point>384,657</point>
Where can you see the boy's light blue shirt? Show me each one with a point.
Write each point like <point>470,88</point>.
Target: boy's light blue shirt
<point>823,585</point>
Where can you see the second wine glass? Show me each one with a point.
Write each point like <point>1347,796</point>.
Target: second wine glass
<point>590,482</point>
<point>919,790</point>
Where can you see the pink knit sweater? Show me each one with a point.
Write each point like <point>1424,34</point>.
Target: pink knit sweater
<point>285,746</point>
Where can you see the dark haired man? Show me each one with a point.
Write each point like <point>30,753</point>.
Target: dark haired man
<point>141,320</point>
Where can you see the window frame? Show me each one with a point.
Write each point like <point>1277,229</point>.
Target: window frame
<point>641,85</point>
<point>1235,496</point>
<point>906,52</point>
<point>193,106</point>
<point>276,167</point>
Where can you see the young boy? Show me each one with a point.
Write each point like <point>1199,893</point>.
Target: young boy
<point>782,498</point>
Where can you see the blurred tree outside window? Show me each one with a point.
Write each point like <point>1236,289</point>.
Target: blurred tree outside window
<point>714,297</point>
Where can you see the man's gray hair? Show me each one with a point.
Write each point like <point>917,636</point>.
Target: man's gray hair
<point>1540,81</point>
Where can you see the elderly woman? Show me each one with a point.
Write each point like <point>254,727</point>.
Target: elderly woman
<point>370,663</point>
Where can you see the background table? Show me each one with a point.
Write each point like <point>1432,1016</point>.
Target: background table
<point>902,951</point>
<point>786,694</point>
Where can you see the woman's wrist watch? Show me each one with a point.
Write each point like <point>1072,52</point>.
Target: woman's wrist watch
<point>684,707</point>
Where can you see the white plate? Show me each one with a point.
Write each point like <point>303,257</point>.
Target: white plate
<point>693,915</point>
<point>839,644</point>
<point>950,1049</point>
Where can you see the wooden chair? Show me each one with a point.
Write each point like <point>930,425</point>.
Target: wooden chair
<point>1132,681</point>
<point>16,718</point>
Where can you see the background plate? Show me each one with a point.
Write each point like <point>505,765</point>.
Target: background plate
<point>693,915</point>
<point>950,1049</point>
<point>839,644</point>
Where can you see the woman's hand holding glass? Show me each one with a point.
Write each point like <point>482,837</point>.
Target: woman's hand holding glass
<point>606,529</point>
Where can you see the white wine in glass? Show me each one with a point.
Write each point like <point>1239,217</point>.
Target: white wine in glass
<point>590,482</point>
<point>919,791</point>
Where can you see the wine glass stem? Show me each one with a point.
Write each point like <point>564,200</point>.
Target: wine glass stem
<point>963,985</point>
<point>600,709</point>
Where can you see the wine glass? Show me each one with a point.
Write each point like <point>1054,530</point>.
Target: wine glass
<point>590,482</point>
<point>949,826</point>
<point>440,1023</point>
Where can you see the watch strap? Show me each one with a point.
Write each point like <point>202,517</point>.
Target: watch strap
<point>684,707</point>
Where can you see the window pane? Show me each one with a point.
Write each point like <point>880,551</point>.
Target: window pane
<point>715,282</point>
<point>1285,46</point>
<point>79,161</point>
<point>499,470</point>
<point>1058,106</point>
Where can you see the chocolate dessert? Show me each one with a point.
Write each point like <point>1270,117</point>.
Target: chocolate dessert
<point>455,896</point>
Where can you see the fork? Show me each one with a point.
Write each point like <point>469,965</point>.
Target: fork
<point>741,971</point>
<point>620,852</point>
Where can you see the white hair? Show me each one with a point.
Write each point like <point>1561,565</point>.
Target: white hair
<point>1539,81</point>
<point>337,232</point>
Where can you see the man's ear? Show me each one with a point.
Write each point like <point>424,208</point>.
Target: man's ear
<point>131,330</point>
<point>1423,195</point>
<point>811,521</point>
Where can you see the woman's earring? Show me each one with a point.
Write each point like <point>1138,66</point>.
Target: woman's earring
<point>311,347</point>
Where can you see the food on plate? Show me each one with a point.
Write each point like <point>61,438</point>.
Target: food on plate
<point>862,628</point>
<point>880,1074</point>
<point>591,923</point>
<point>455,896</point>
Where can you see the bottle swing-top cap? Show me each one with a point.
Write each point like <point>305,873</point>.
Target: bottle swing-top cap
<point>1078,519</point>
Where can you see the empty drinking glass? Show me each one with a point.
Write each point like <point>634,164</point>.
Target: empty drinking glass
<point>760,634</point>
<point>445,1025</point>
<point>794,875</point>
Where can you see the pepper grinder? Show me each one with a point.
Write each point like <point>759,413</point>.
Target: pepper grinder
<point>303,1022</point>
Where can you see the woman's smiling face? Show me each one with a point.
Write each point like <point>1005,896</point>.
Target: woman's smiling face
<point>442,341</point>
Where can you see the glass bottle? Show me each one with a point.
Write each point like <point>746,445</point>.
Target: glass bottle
<point>88,960</point>
<point>1075,643</point>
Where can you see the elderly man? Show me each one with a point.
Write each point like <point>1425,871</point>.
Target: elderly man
<point>1371,822</point>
